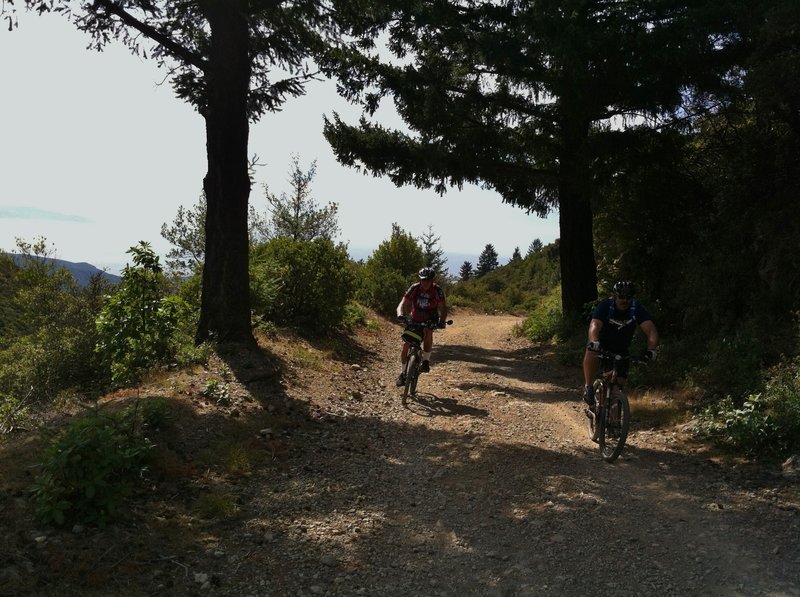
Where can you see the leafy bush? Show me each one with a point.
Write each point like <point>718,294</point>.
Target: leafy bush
<point>89,469</point>
<point>389,271</point>
<point>767,424</point>
<point>545,321</point>
<point>148,414</point>
<point>266,276</point>
<point>137,324</point>
<point>354,315</point>
<point>47,332</point>
<point>728,366</point>
<point>383,288</point>
<point>309,282</point>
<point>218,391</point>
<point>51,360</point>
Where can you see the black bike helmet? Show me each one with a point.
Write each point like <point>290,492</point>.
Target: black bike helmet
<point>427,273</point>
<point>624,288</point>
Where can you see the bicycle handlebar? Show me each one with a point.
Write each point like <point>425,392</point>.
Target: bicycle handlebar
<point>425,324</point>
<point>607,354</point>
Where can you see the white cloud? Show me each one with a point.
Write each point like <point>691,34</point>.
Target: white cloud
<point>19,212</point>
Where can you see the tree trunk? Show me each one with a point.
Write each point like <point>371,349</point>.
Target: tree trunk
<point>578,265</point>
<point>225,301</point>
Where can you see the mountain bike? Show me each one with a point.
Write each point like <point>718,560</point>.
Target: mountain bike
<point>610,421</point>
<point>412,335</point>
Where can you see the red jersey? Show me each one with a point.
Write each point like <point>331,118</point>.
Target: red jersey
<point>424,303</point>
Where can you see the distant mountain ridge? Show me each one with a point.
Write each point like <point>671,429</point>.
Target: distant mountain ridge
<point>81,272</point>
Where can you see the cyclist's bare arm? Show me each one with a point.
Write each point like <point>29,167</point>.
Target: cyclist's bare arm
<point>594,330</point>
<point>649,328</point>
<point>403,306</point>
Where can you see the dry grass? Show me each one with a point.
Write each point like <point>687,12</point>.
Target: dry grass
<point>657,409</point>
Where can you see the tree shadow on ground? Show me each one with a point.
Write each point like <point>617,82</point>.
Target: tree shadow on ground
<point>430,405</point>
<point>492,369</point>
<point>526,365</point>
<point>365,504</point>
<point>448,506</point>
<point>343,348</point>
<point>553,394</point>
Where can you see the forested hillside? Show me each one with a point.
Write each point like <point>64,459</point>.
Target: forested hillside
<point>81,272</point>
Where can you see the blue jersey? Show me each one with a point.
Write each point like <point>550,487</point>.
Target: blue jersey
<point>619,326</point>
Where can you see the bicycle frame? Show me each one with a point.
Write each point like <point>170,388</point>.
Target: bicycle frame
<point>609,423</point>
<point>414,357</point>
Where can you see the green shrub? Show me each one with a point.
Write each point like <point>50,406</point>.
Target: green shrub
<point>217,391</point>
<point>767,424</point>
<point>308,283</point>
<point>148,414</point>
<point>266,277</point>
<point>50,360</point>
<point>190,289</point>
<point>47,332</point>
<point>545,322</point>
<point>469,295</point>
<point>382,289</point>
<point>187,352</point>
<point>354,315</point>
<point>137,323</point>
<point>516,287</point>
<point>389,271</point>
<point>728,366</point>
<point>89,469</point>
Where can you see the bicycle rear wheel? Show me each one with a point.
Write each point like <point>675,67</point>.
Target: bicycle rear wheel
<point>411,376</point>
<point>613,428</point>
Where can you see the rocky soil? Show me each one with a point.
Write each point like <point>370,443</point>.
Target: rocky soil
<point>317,480</point>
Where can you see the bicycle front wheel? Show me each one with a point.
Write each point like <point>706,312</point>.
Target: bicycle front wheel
<point>411,376</point>
<point>415,378</point>
<point>613,429</point>
<point>591,418</point>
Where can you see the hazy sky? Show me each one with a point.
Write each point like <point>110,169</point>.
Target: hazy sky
<point>95,155</point>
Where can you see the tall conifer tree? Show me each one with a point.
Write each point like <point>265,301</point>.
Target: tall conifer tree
<point>528,98</point>
<point>233,61</point>
<point>487,261</point>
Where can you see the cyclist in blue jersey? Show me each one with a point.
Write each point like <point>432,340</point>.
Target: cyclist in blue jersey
<point>614,321</point>
<point>425,300</point>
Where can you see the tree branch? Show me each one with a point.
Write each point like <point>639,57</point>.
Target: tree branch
<point>169,44</point>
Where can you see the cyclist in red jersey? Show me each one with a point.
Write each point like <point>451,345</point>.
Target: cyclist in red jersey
<point>425,300</point>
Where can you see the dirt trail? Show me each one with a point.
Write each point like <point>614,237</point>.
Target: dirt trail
<point>484,484</point>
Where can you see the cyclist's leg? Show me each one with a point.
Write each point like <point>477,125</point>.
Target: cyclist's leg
<point>404,354</point>
<point>401,379</point>
<point>427,347</point>
<point>427,340</point>
<point>590,365</point>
